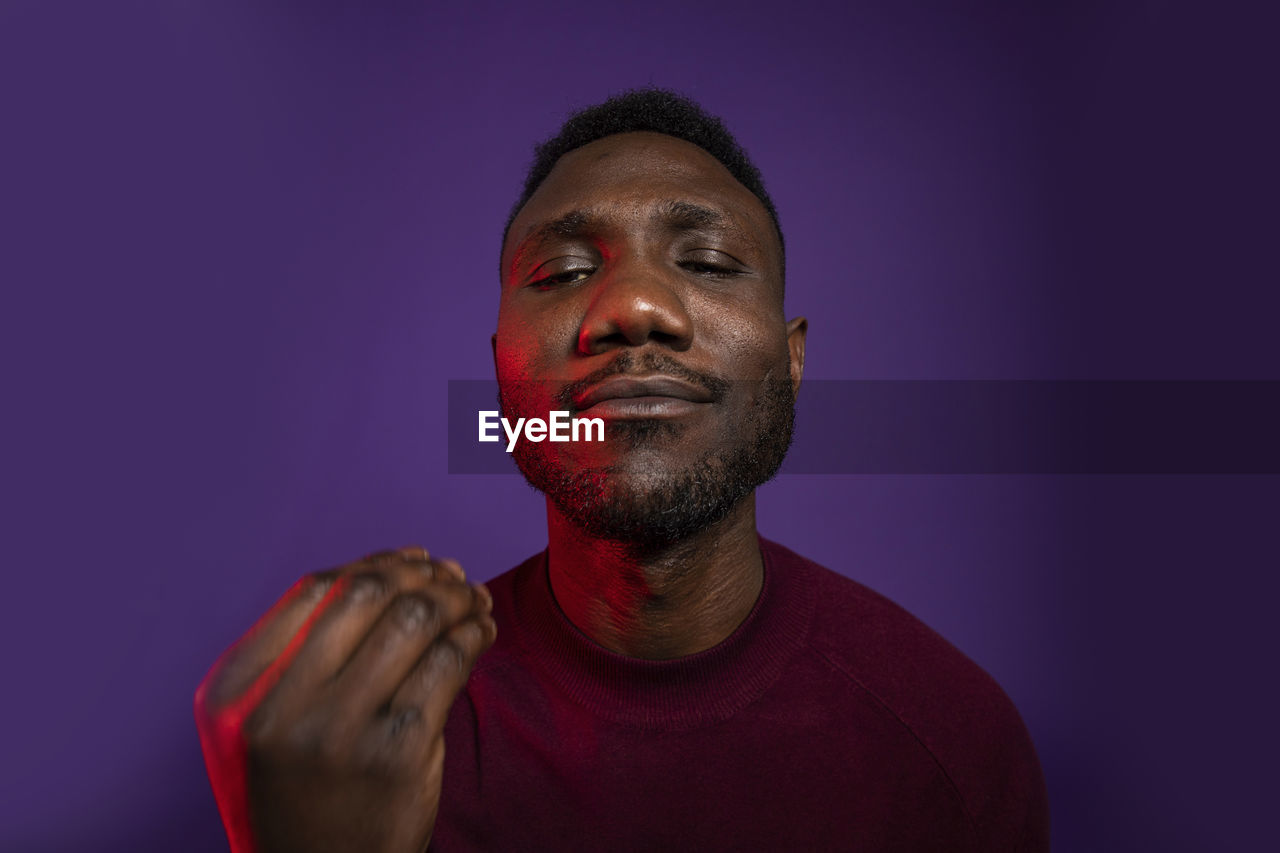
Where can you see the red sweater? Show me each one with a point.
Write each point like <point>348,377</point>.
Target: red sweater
<point>831,719</point>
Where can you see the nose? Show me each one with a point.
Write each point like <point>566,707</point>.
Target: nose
<point>635,302</point>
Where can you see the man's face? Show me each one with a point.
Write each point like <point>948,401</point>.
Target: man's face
<point>642,284</point>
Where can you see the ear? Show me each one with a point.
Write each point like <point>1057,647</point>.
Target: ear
<point>796,331</point>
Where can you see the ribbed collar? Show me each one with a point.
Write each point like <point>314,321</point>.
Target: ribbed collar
<point>681,693</point>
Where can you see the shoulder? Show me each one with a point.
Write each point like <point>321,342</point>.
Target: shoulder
<point>950,705</point>
<point>904,663</point>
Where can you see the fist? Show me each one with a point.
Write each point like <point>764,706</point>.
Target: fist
<point>322,728</point>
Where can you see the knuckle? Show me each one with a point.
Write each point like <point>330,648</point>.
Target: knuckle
<point>414,613</point>
<point>403,721</point>
<point>450,656</point>
<point>317,584</point>
<point>389,747</point>
<point>470,636</point>
<point>366,587</point>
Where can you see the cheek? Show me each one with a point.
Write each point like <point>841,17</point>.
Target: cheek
<point>517,369</point>
<point>535,344</point>
<point>752,343</point>
<point>516,353</point>
<point>511,359</point>
<point>530,348</point>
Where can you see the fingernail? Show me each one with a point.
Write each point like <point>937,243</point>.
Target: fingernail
<point>453,568</point>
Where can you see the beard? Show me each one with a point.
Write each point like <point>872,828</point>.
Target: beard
<point>659,507</point>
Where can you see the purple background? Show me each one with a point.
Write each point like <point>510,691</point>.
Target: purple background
<point>245,245</point>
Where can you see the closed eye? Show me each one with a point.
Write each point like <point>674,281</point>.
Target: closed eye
<point>562,278</point>
<point>707,269</point>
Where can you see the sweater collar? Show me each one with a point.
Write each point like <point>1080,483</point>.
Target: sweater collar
<point>683,692</point>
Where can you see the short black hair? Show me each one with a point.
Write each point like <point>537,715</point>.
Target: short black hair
<point>657,111</point>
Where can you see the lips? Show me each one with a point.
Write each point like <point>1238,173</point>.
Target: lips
<point>643,392</point>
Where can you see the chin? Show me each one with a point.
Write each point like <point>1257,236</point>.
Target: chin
<point>657,482</point>
<point>644,501</point>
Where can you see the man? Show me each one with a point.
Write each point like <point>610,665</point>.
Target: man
<point>662,678</point>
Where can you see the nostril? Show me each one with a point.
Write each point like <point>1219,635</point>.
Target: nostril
<point>664,337</point>
<point>590,344</point>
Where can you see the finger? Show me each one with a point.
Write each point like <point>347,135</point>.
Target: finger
<point>409,571</point>
<point>409,625</point>
<point>453,567</point>
<point>262,647</point>
<point>401,741</point>
<point>430,688</point>
<point>272,633</point>
<point>250,657</point>
<point>410,552</point>
<point>343,619</point>
<point>411,555</point>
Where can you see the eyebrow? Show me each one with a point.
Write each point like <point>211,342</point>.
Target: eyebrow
<point>575,223</point>
<point>687,216</point>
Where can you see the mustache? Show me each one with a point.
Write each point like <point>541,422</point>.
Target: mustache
<point>650,363</point>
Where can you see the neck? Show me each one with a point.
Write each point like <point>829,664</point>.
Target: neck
<point>660,603</point>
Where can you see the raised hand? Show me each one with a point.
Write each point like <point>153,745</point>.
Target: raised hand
<point>322,728</point>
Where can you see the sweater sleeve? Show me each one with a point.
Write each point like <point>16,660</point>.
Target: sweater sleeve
<point>1004,788</point>
<point>953,708</point>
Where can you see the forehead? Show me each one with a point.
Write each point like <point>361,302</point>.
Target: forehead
<point>629,175</point>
